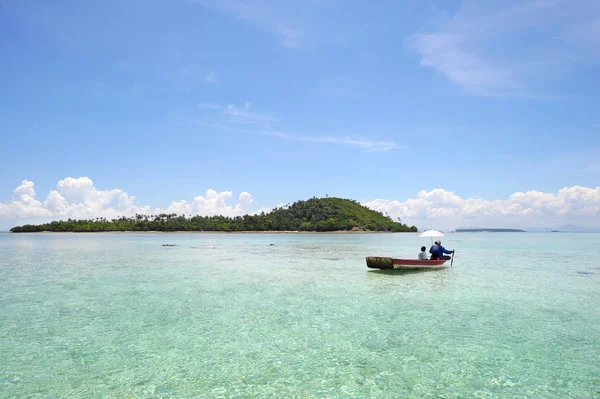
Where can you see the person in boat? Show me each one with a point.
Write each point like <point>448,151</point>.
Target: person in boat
<point>423,254</point>
<point>437,251</point>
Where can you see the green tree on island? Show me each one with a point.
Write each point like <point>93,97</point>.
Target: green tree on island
<point>315,214</point>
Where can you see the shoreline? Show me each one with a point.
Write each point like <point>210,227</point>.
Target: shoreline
<point>216,232</point>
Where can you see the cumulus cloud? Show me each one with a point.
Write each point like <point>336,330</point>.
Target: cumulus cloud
<point>444,208</point>
<point>212,204</point>
<point>78,198</point>
<point>24,204</point>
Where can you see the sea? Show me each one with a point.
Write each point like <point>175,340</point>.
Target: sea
<point>99,315</point>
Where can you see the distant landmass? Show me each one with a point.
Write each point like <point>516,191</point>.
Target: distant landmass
<point>489,231</point>
<point>567,228</point>
<point>315,214</point>
<point>577,229</point>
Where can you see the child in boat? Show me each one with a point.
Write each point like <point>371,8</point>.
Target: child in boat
<point>423,254</point>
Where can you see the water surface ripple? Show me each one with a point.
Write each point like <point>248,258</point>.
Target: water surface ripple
<point>231,316</point>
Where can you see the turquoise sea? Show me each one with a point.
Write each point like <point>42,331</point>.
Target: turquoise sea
<point>230,316</point>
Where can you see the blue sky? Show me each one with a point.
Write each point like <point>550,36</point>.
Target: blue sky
<point>165,100</point>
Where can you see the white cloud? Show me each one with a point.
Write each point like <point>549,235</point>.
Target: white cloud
<point>290,38</point>
<point>475,48</point>
<point>240,114</point>
<point>25,189</point>
<point>445,209</point>
<point>210,78</point>
<point>236,115</point>
<point>444,53</point>
<point>24,204</point>
<point>278,18</point>
<point>355,142</point>
<point>244,115</point>
<point>78,198</point>
<point>212,204</point>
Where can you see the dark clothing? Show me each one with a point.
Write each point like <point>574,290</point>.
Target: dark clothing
<point>437,252</point>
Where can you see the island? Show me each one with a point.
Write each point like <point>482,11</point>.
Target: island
<point>490,231</point>
<point>313,215</point>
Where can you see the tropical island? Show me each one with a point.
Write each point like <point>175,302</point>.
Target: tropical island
<point>313,215</point>
<point>490,231</point>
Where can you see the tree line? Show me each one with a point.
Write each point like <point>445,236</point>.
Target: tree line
<point>315,214</point>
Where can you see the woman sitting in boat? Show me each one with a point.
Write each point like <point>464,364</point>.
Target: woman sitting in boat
<point>437,251</point>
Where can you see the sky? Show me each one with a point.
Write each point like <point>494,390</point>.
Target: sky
<point>444,113</point>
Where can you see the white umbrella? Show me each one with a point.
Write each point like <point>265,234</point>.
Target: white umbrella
<point>431,233</point>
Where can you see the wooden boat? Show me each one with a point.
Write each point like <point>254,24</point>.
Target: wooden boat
<point>385,263</point>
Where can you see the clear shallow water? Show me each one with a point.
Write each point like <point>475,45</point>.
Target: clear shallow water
<point>119,316</point>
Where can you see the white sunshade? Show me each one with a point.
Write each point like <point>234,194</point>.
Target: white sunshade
<point>431,233</point>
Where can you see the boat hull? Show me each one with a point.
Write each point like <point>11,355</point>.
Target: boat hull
<point>386,263</point>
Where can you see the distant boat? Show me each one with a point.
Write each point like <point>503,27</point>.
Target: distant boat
<point>386,263</point>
